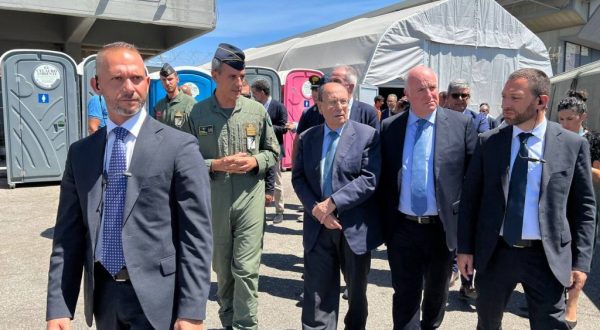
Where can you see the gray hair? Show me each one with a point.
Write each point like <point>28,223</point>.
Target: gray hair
<point>215,65</point>
<point>393,95</point>
<point>321,91</point>
<point>351,75</point>
<point>458,84</point>
<point>538,81</point>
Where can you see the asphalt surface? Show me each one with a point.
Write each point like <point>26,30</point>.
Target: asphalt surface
<point>27,216</point>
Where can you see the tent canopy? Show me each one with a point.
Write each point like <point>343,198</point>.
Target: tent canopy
<point>476,40</point>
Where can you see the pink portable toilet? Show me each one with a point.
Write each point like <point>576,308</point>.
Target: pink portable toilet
<point>296,97</point>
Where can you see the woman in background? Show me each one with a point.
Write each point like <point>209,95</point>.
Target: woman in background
<point>572,113</point>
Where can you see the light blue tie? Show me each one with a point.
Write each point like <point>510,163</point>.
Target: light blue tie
<point>327,167</point>
<point>116,187</point>
<point>418,174</point>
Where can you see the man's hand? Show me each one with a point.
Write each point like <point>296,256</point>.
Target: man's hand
<point>239,163</point>
<point>59,324</point>
<point>291,126</point>
<point>465,264</point>
<point>331,222</point>
<point>578,279</point>
<point>323,209</point>
<point>185,324</point>
<point>268,199</point>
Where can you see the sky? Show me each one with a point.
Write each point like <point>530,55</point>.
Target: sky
<point>247,24</point>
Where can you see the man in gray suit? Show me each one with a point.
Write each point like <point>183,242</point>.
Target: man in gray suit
<point>527,209</point>
<point>335,174</point>
<point>132,217</point>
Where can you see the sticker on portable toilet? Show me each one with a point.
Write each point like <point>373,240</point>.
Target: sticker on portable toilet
<point>43,98</point>
<point>46,76</point>
<point>306,103</point>
<point>193,88</point>
<point>306,89</point>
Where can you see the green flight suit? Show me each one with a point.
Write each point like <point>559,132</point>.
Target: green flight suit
<point>238,201</point>
<point>174,112</point>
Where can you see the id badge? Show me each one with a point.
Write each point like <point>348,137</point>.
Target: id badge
<point>251,143</point>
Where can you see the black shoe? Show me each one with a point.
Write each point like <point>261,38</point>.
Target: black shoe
<point>467,292</point>
<point>571,324</point>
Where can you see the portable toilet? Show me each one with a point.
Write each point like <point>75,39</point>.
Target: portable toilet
<point>201,84</point>
<point>297,97</point>
<point>41,113</point>
<point>86,70</point>
<point>270,75</point>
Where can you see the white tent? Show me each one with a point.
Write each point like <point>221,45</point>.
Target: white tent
<point>476,40</point>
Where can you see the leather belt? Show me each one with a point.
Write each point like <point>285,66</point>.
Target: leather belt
<point>422,220</point>
<point>527,243</point>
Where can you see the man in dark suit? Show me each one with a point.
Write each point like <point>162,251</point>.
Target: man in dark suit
<point>527,209</point>
<point>425,152</point>
<point>134,221</point>
<point>484,110</point>
<point>459,94</point>
<point>335,174</point>
<point>261,90</point>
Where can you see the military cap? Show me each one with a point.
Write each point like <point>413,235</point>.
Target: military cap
<point>316,81</point>
<point>167,70</point>
<point>231,55</point>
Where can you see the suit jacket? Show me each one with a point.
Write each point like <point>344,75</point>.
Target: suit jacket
<point>480,123</point>
<point>566,207</point>
<point>356,169</point>
<point>454,143</point>
<point>279,117</point>
<point>167,239</point>
<point>492,123</point>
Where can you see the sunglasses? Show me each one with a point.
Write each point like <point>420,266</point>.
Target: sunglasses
<point>456,95</point>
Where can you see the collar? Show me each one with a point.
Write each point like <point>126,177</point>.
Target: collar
<point>133,124</point>
<point>539,131</point>
<point>267,103</point>
<point>326,129</point>
<point>412,118</point>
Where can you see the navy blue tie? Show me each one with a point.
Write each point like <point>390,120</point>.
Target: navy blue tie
<point>418,173</point>
<point>515,206</point>
<point>328,165</point>
<point>116,187</point>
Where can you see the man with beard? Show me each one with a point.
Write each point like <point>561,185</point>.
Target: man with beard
<point>527,209</point>
<point>174,109</point>
<point>134,218</point>
<point>237,138</point>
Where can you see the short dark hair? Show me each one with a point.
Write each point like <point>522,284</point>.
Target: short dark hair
<point>379,98</point>
<point>575,100</point>
<point>539,83</point>
<point>261,85</point>
<point>111,46</point>
<point>484,103</point>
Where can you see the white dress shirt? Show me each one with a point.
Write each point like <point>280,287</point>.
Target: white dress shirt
<point>535,145</point>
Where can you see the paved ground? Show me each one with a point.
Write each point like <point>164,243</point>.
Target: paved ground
<point>27,217</point>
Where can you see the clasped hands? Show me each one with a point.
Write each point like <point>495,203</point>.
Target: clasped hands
<point>240,163</point>
<point>323,213</point>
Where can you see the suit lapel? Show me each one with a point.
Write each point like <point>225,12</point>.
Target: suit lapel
<point>317,148</point>
<point>145,143</point>
<point>346,141</point>
<point>96,168</point>
<point>504,150</point>
<point>441,141</point>
<point>551,144</point>
<point>402,123</point>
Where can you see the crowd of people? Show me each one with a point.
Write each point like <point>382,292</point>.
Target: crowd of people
<point>146,204</point>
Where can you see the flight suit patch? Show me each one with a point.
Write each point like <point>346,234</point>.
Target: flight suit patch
<point>205,130</point>
<point>250,137</point>
<point>178,119</point>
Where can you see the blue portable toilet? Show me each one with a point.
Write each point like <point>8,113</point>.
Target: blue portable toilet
<point>199,80</point>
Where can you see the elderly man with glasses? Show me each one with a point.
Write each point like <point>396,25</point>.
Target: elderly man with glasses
<point>459,94</point>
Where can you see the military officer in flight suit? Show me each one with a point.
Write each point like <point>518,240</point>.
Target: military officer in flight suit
<point>173,110</point>
<point>237,141</point>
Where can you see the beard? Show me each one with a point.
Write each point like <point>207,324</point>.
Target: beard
<point>127,112</point>
<point>524,116</point>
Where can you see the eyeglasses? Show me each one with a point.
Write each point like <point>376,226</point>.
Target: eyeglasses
<point>457,95</point>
